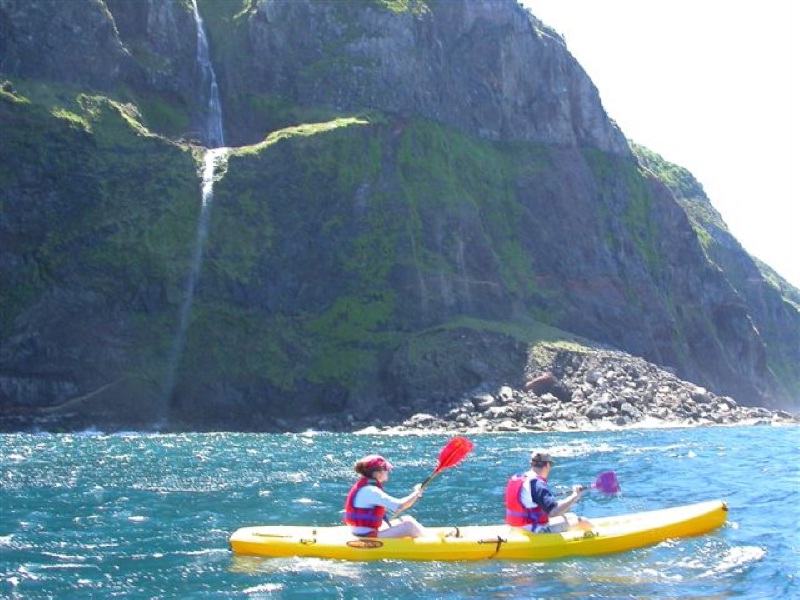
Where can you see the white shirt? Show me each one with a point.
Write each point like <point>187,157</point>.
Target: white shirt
<point>371,495</point>
<point>525,495</point>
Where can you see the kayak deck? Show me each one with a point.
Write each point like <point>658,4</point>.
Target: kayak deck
<point>482,542</point>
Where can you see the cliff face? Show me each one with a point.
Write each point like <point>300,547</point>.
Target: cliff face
<point>401,171</point>
<point>61,41</point>
<point>770,302</point>
<point>482,66</point>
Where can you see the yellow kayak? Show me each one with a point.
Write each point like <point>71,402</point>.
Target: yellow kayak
<point>482,542</point>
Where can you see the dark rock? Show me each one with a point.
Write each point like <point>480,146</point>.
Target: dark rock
<point>541,384</point>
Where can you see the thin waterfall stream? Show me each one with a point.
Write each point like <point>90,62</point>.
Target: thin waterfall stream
<point>215,154</point>
<point>212,131</point>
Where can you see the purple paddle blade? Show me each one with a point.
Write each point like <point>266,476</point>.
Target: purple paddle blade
<point>607,483</point>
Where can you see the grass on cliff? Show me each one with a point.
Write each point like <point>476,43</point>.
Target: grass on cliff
<point>527,330</point>
<point>106,208</point>
<point>451,183</point>
<point>301,130</point>
<point>294,191</point>
<point>404,6</point>
<point>443,356</point>
<point>313,203</point>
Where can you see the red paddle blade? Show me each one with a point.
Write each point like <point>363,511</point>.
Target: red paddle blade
<point>454,452</point>
<point>607,483</point>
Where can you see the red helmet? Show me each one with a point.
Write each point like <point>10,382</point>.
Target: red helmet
<point>375,462</point>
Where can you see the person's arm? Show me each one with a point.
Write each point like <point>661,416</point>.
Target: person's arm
<point>561,507</point>
<point>373,496</point>
<point>411,499</point>
<point>541,495</point>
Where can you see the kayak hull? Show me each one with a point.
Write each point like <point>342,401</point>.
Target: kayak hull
<point>483,542</point>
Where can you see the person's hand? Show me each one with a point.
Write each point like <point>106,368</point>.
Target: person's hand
<point>578,490</point>
<point>418,490</point>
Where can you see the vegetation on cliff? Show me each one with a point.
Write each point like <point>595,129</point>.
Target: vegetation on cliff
<point>390,225</point>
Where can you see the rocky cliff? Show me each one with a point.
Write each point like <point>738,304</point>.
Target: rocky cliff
<point>402,174</point>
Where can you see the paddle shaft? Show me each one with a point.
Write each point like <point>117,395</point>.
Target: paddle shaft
<point>421,487</point>
<point>453,453</point>
<point>429,478</point>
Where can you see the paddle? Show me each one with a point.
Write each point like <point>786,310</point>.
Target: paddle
<point>453,453</point>
<point>606,483</point>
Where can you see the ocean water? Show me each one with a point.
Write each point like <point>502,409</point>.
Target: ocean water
<point>148,516</point>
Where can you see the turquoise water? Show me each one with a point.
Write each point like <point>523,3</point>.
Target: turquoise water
<point>148,516</point>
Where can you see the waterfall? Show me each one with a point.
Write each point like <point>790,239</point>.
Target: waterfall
<point>214,155</point>
<point>462,271</point>
<point>212,131</point>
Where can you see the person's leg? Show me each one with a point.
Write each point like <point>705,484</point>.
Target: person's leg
<point>557,525</point>
<point>407,527</point>
<point>576,523</point>
<point>569,522</point>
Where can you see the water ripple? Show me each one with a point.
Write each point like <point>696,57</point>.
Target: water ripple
<point>146,515</point>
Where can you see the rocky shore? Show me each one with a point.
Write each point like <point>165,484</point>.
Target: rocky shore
<point>563,389</point>
<point>569,391</point>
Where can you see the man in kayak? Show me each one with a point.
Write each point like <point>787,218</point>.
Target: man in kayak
<point>366,503</point>
<point>531,504</point>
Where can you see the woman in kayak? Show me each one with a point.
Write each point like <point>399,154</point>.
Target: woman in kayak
<point>366,504</point>
<point>530,503</point>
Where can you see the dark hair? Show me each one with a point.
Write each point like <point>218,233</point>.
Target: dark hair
<point>540,459</point>
<point>367,465</point>
<point>364,471</point>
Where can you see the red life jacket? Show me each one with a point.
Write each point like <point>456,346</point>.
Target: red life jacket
<point>363,517</point>
<point>517,514</point>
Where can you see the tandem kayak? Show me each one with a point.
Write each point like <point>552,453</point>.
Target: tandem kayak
<point>482,542</point>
